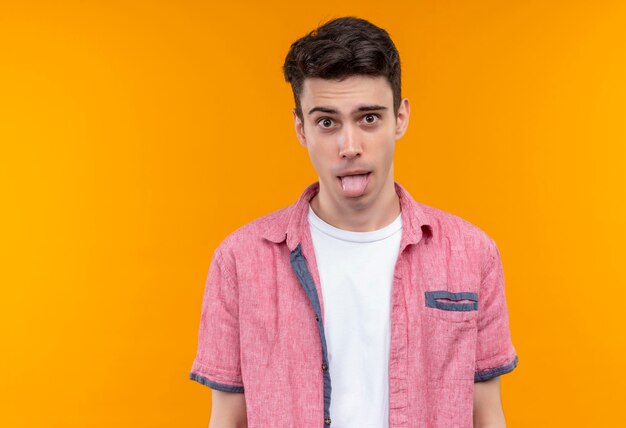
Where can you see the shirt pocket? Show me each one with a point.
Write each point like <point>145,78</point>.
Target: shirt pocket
<point>450,334</point>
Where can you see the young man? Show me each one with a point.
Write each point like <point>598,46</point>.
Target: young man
<point>356,306</point>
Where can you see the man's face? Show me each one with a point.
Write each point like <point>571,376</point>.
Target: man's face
<point>350,130</point>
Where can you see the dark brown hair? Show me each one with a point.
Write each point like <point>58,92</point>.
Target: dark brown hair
<point>341,48</point>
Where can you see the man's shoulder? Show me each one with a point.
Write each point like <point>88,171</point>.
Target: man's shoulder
<point>253,235</point>
<point>454,228</point>
<point>445,226</point>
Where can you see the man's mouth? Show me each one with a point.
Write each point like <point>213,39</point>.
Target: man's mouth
<point>354,184</point>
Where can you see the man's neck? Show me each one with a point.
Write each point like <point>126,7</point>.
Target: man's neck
<point>356,217</point>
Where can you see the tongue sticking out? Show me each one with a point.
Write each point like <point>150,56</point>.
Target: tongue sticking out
<point>354,185</point>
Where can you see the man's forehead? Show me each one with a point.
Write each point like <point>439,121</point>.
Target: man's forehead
<point>347,92</point>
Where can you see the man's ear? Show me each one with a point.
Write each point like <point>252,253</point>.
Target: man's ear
<point>299,128</point>
<point>402,120</point>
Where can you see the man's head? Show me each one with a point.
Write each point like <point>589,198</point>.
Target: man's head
<point>341,48</point>
<point>346,81</point>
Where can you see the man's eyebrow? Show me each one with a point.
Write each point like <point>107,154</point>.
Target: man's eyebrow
<point>330,110</point>
<point>372,107</point>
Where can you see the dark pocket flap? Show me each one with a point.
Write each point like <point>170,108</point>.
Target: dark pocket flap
<point>448,301</point>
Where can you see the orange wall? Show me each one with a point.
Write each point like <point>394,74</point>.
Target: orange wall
<point>132,130</point>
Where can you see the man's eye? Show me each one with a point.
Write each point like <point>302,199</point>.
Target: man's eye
<point>325,122</point>
<point>370,118</point>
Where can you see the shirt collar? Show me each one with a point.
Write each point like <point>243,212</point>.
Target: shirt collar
<point>292,221</point>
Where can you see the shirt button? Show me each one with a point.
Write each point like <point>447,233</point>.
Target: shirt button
<point>317,318</point>
<point>327,421</point>
<point>324,366</point>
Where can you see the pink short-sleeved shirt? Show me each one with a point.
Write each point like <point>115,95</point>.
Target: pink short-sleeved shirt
<point>262,331</point>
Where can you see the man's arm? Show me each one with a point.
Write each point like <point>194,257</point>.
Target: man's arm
<point>228,410</point>
<point>488,411</point>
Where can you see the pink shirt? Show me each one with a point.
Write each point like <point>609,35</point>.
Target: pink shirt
<point>262,330</point>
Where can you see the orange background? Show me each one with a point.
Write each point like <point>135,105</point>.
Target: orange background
<point>137,135</point>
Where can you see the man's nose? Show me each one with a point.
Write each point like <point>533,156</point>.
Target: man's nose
<point>349,143</point>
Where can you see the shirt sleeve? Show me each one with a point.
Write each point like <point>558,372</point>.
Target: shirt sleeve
<point>217,362</point>
<point>495,353</point>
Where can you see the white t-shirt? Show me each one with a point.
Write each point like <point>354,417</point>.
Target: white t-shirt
<point>356,274</point>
